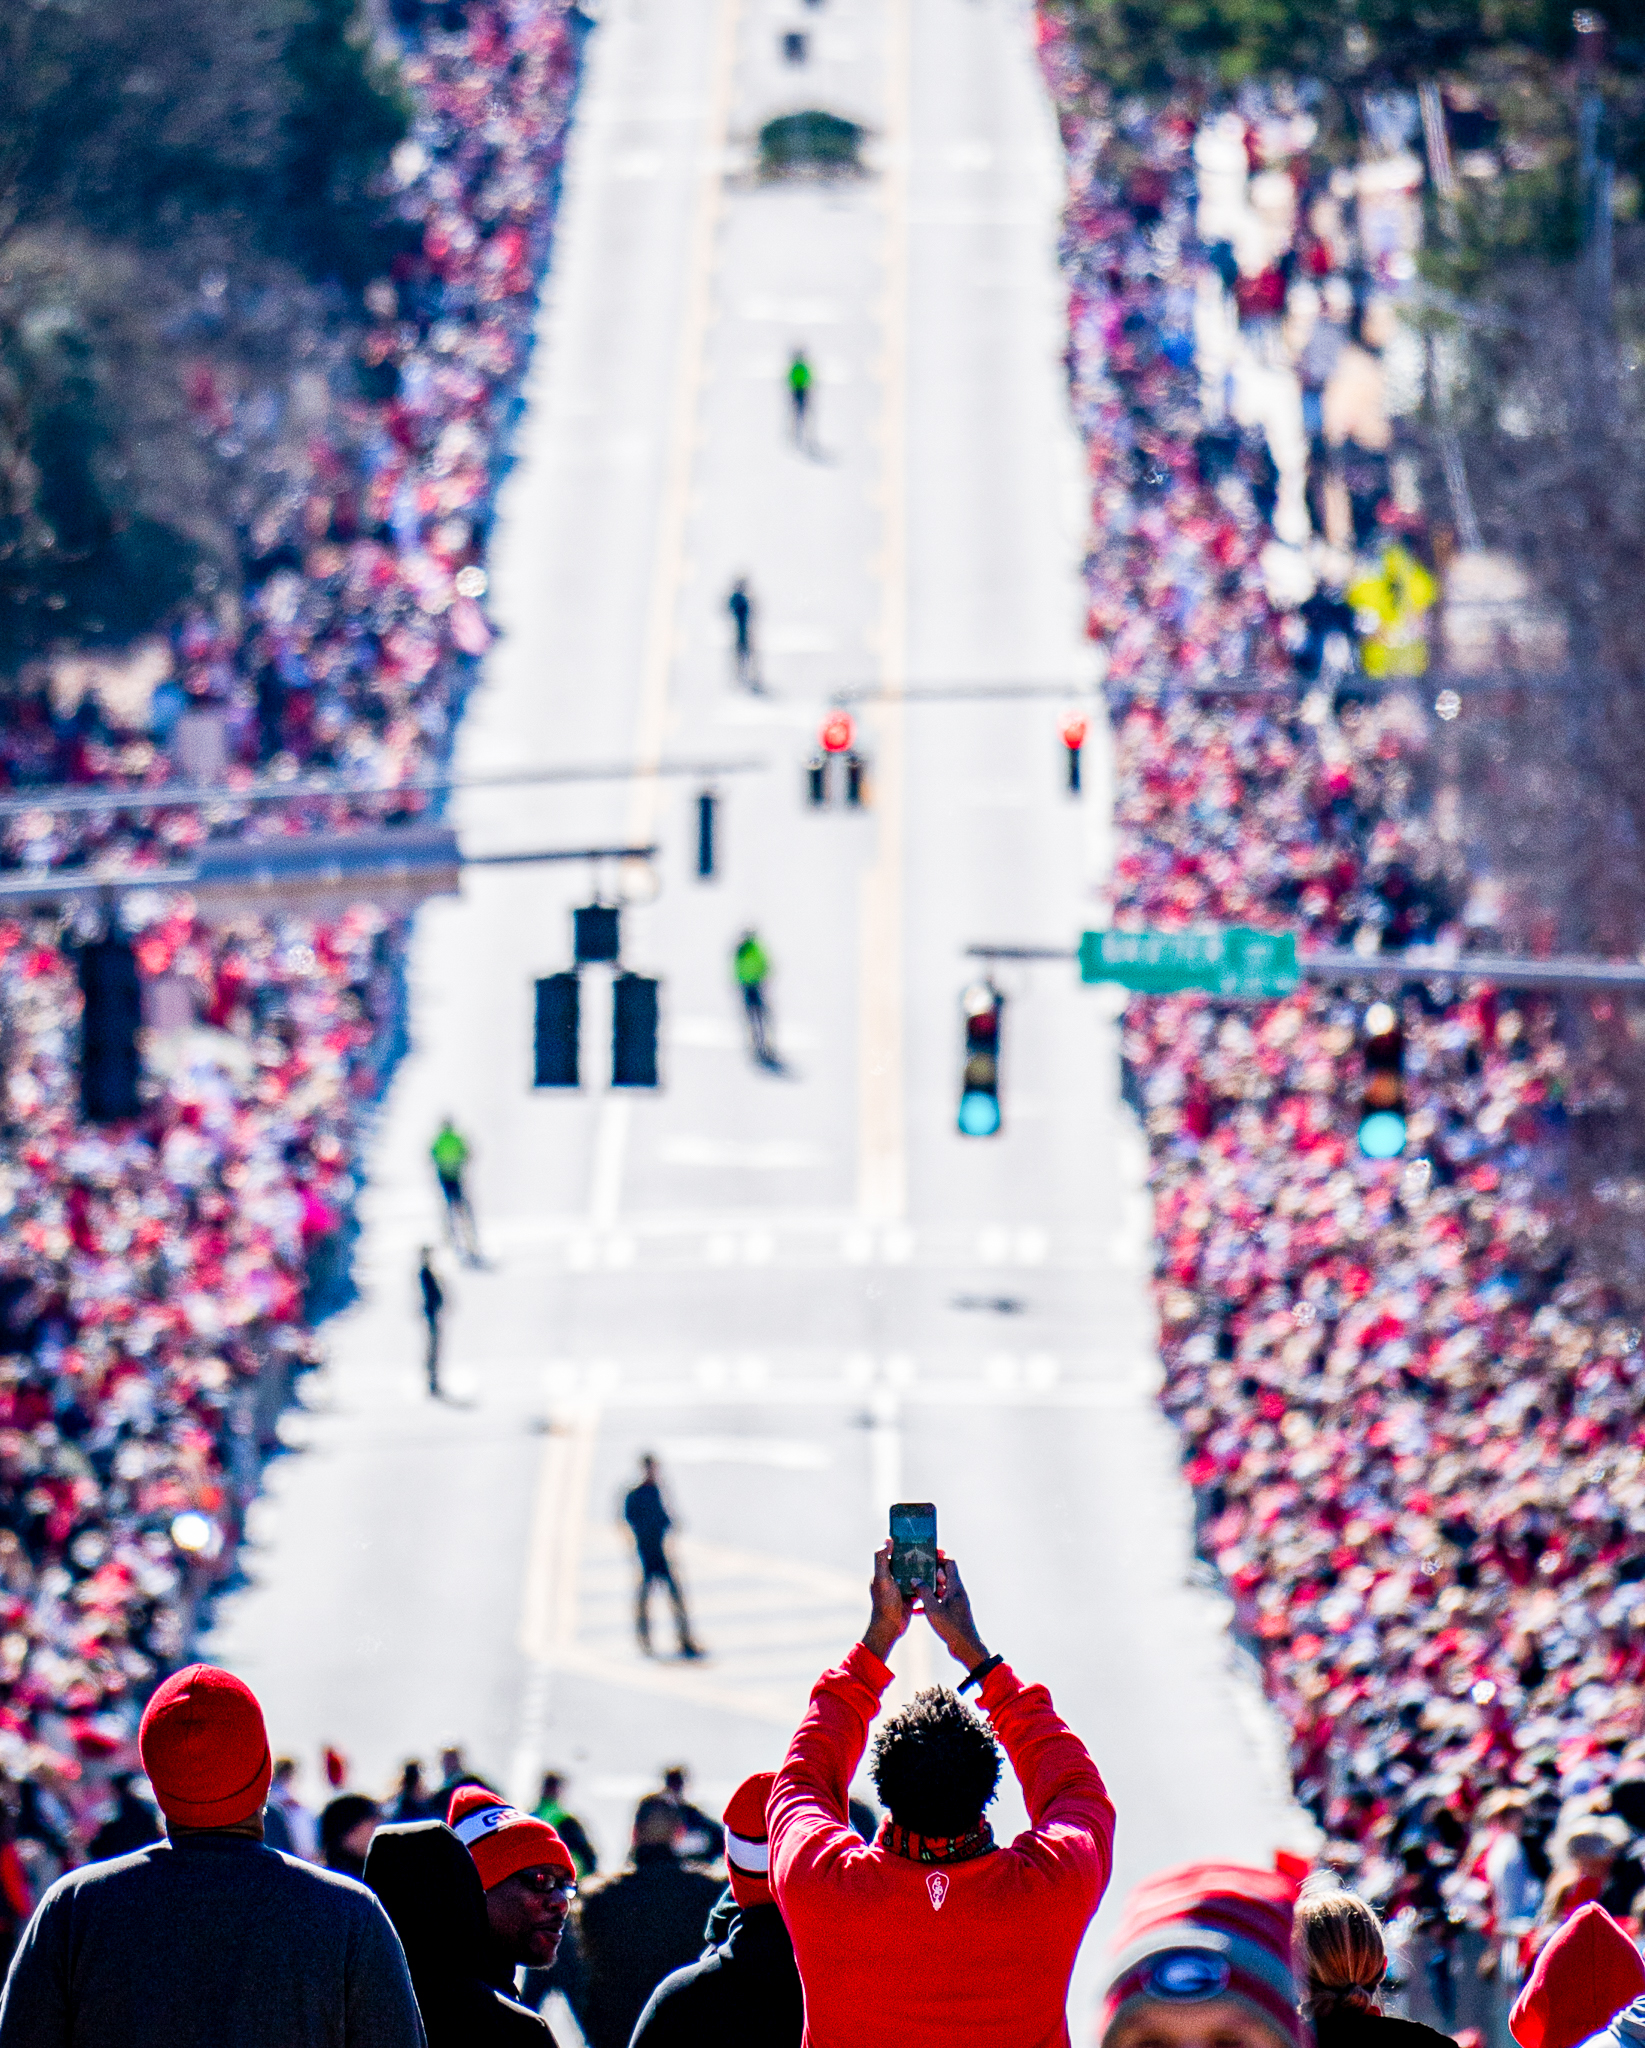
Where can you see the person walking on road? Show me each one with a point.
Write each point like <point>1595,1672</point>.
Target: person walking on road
<point>434,1302</point>
<point>450,1153</point>
<point>996,1930</point>
<point>640,1924</point>
<point>746,1987</point>
<point>741,607</point>
<point>650,1522</point>
<point>800,380</point>
<point>751,964</point>
<point>209,1936</point>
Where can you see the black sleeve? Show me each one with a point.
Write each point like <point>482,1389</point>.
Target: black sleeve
<point>678,2014</point>
<point>34,2008</point>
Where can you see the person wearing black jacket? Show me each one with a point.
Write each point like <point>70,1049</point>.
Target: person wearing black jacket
<point>638,1924</point>
<point>746,1987</point>
<point>432,1892</point>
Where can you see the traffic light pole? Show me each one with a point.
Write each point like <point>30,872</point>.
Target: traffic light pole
<point>415,862</point>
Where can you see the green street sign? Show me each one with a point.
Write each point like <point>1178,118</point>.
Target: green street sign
<point>1226,960</point>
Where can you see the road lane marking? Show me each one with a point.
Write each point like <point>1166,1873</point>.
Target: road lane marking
<point>548,1600</point>
<point>882,1173</point>
<point>668,576</point>
<point>548,1608</point>
<point>770,1625</point>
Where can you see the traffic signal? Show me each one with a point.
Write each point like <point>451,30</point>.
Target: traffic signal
<point>594,933</point>
<point>633,1031</point>
<point>979,1117</point>
<point>1073,738</point>
<point>555,1037</point>
<point>1382,1099</point>
<point>109,1064</point>
<point>707,804</point>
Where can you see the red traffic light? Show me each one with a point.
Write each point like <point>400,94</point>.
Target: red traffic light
<point>1074,729</point>
<point>837,732</point>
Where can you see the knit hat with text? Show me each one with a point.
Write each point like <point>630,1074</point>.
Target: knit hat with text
<point>747,1850</point>
<point>1584,1977</point>
<point>501,1839</point>
<point>1207,1930</point>
<point>205,1748</point>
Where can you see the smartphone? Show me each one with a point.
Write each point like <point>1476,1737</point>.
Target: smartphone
<point>914,1545</point>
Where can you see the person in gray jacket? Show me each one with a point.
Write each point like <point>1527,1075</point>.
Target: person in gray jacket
<point>209,1936</point>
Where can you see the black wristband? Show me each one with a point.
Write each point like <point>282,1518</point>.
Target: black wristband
<point>976,1677</point>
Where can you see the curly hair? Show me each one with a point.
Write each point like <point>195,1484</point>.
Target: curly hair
<point>936,1765</point>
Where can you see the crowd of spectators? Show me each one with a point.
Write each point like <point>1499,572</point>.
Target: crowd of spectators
<point>1409,1419</point>
<point>153,1281</point>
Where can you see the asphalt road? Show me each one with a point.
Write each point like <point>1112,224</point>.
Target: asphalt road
<point>803,1290</point>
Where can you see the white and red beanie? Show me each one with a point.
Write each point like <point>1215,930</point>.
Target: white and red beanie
<point>501,1839</point>
<point>747,1850</point>
<point>1207,1930</point>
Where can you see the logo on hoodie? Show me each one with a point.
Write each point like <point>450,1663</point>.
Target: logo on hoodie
<point>937,1885</point>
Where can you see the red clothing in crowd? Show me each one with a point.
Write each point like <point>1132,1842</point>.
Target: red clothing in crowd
<point>901,1954</point>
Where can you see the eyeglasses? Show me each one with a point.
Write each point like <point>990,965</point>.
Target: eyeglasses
<point>543,1884</point>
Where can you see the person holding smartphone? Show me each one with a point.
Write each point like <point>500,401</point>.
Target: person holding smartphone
<point>934,1933</point>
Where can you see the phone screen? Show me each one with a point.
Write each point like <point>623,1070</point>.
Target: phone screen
<point>914,1544</point>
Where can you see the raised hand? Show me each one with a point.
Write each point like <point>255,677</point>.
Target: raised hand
<point>891,1613</point>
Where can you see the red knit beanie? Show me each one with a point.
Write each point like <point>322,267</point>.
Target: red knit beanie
<point>501,1839</point>
<point>747,1850</point>
<point>1208,1930</point>
<point>1584,1977</point>
<point>205,1748</point>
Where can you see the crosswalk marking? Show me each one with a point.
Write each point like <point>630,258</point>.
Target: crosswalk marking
<point>1001,1379</point>
<point>798,1239</point>
<point>770,1626</point>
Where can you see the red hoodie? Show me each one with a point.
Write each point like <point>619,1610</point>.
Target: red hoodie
<point>898,1954</point>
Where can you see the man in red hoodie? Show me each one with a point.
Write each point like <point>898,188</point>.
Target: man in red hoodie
<point>933,1934</point>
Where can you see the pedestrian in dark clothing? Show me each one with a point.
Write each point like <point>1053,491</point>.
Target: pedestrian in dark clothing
<point>431,1890</point>
<point>650,1522</point>
<point>210,1936</point>
<point>346,1828</point>
<point>410,1802</point>
<point>133,1824</point>
<point>746,1989</point>
<point>700,1834</point>
<point>639,1924</point>
<point>434,1301</point>
<point>741,607</point>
